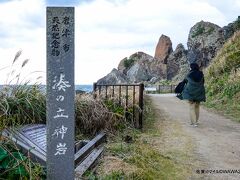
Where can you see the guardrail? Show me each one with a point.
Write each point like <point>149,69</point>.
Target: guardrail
<point>127,95</point>
<point>160,88</point>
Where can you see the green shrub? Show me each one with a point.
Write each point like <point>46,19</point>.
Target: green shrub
<point>114,107</point>
<point>14,165</point>
<point>200,30</point>
<point>128,62</point>
<point>210,30</point>
<point>237,23</point>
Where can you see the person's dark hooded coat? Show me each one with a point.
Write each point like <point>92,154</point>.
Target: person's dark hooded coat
<point>194,89</point>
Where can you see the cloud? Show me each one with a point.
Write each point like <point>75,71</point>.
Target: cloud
<point>22,27</point>
<point>136,21</point>
<point>237,2</point>
<point>106,31</point>
<point>20,22</point>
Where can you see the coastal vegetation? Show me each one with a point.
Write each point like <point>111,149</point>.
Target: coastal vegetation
<point>223,79</point>
<point>93,115</point>
<point>23,104</point>
<point>200,30</point>
<point>128,62</point>
<point>131,154</point>
<point>236,23</point>
<point>20,103</point>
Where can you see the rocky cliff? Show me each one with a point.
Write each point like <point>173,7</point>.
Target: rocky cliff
<point>177,66</point>
<point>231,28</point>
<point>114,77</point>
<point>163,49</point>
<point>204,41</point>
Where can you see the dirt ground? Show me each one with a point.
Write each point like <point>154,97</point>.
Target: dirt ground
<point>211,148</point>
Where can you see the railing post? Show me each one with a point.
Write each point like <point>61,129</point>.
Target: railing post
<point>99,90</point>
<point>141,89</point>
<point>113,91</point>
<point>126,104</point>
<point>94,90</point>
<point>133,105</point>
<point>120,93</point>
<point>106,91</point>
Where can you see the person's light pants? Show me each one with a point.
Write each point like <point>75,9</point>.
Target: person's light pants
<point>194,111</point>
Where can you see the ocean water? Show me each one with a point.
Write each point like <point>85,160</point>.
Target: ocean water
<point>85,87</point>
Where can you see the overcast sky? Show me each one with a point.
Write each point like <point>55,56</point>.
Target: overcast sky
<point>106,31</point>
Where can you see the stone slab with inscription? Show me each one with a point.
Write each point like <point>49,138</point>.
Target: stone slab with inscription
<point>36,134</point>
<point>30,139</point>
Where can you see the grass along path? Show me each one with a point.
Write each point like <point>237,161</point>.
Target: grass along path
<point>215,143</point>
<point>156,153</point>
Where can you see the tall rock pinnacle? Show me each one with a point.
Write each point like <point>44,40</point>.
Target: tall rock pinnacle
<point>163,48</point>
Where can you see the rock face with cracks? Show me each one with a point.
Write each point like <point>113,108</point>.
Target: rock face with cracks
<point>114,77</point>
<point>163,49</point>
<point>204,40</point>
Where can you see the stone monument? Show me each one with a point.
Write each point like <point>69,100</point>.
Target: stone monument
<point>60,93</point>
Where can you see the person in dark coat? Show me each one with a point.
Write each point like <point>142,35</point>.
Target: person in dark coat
<point>194,91</point>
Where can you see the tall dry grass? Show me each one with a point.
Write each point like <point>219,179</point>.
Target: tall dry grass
<point>94,115</point>
<point>124,100</point>
<point>20,102</point>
